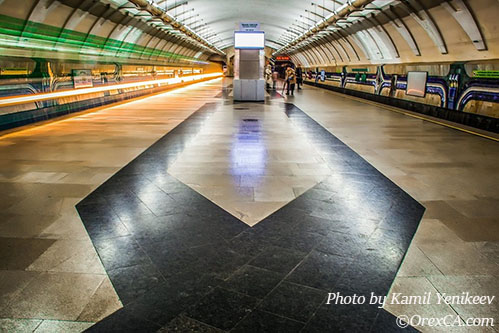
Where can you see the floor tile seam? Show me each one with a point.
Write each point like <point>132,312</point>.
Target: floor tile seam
<point>62,320</point>
<point>20,319</point>
<point>225,241</point>
<point>116,212</point>
<point>133,265</point>
<point>51,272</point>
<point>181,313</point>
<point>30,319</point>
<point>305,286</point>
<point>184,314</point>
<point>46,319</point>
<point>235,292</point>
<point>331,166</point>
<point>452,306</point>
<point>281,282</point>
<point>149,208</point>
<point>68,258</point>
<point>150,262</point>
<point>171,129</point>
<point>318,122</point>
<point>18,293</point>
<point>423,252</point>
<point>258,303</point>
<point>281,316</point>
<point>89,299</point>
<point>315,215</point>
<point>257,307</point>
<point>265,269</point>
<point>192,306</point>
<point>315,312</point>
<point>351,259</point>
<point>129,314</point>
<point>235,272</point>
<point>307,139</point>
<point>314,248</point>
<point>93,294</point>
<point>378,314</point>
<point>37,326</point>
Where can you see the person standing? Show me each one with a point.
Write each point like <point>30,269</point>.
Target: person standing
<point>299,76</point>
<point>290,80</point>
<point>275,77</point>
<point>268,75</point>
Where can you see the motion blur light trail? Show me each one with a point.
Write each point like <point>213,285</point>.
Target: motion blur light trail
<point>83,91</point>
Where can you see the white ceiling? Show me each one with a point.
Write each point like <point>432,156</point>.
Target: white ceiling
<point>221,16</point>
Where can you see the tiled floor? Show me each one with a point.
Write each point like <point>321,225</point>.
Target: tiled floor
<point>51,278</point>
<point>453,174</point>
<point>241,160</point>
<point>175,258</point>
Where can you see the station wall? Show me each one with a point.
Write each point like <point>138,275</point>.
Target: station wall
<point>455,41</point>
<point>470,87</point>
<point>43,43</point>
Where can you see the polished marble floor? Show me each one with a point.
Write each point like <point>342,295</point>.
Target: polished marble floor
<point>242,161</point>
<point>51,278</point>
<point>454,175</point>
<point>176,253</point>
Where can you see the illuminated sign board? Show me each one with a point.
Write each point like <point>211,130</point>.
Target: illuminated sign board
<point>282,58</point>
<point>416,84</point>
<point>82,78</point>
<point>249,40</point>
<point>487,74</point>
<point>13,71</point>
<point>249,26</point>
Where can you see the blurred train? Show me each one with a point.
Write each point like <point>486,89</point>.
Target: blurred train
<point>35,76</point>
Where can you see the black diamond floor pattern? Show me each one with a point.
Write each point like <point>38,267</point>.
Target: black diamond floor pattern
<point>178,262</point>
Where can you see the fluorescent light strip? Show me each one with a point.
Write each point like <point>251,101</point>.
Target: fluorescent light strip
<point>84,91</point>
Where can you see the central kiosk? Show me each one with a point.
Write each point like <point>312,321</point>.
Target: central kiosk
<point>249,62</point>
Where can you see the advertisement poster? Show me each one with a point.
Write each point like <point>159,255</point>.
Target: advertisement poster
<point>82,78</point>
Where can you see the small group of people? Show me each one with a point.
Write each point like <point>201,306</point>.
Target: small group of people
<point>292,78</point>
<point>271,77</point>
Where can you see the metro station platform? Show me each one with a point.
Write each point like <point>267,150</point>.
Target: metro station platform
<point>185,211</point>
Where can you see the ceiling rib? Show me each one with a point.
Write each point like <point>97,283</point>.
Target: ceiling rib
<point>168,19</point>
<point>341,13</point>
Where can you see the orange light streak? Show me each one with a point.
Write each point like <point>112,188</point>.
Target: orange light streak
<point>14,100</point>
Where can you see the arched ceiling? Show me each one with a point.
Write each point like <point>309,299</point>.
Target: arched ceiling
<point>282,20</point>
<point>406,31</point>
<point>275,16</point>
<point>312,32</point>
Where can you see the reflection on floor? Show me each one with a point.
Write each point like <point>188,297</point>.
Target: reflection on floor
<point>50,276</point>
<point>250,160</point>
<point>45,171</point>
<point>453,174</point>
<point>175,258</point>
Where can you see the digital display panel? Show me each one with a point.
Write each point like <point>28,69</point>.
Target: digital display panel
<point>416,84</point>
<point>249,40</point>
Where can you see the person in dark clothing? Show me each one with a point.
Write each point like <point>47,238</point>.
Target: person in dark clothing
<point>299,76</point>
<point>290,80</point>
